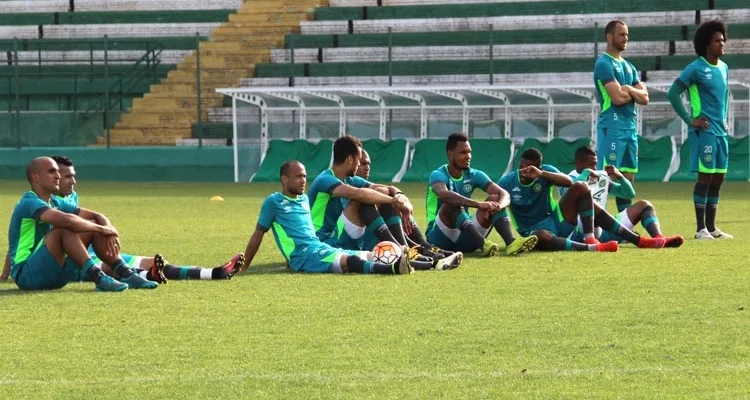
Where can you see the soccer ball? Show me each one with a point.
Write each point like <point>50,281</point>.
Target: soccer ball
<point>386,252</point>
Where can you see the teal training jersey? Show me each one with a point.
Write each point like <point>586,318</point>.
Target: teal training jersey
<point>530,203</point>
<point>73,198</point>
<point>608,69</point>
<point>26,231</point>
<point>708,87</point>
<point>289,218</point>
<point>325,208</point>
<point>464,185</point>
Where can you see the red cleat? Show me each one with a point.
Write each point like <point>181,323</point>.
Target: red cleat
<point>652,243</point>
<point>674,241</point>
<point>610,246</point>
<point>591,240</point>
<point>233,266</point>
<point>157,270</point>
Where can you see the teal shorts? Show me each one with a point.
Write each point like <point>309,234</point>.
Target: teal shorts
<point>709,154</point>
<point>318,258</point>
<point>554,223</point>
<point>359,239</point>
<point>460,241</point>
<point>618,147</point>
<point>42,272</point>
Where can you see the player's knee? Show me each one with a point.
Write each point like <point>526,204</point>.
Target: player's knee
<point>644,204</point>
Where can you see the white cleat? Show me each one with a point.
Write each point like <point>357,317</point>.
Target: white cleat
<point>718,234</point>
<point>704,234</point>
<point>453,261</point>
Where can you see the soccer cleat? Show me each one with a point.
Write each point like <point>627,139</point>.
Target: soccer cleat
<point>652,243</point>
<point>429,253</point>
<point>718,234</point>
<point>402,266</point>
<point>412,252</point>
<point>704,234</point>
<point>233,266</point>
<point>136,281</point>
<point>610,246</point>
<point>451,262</point>
<point>157,270</point>
<point>674,241</point>
<point>591,240</point>
<point>438,250</point>
<point>521,245</point>
<point>109,284</point>
<point>489,249</point>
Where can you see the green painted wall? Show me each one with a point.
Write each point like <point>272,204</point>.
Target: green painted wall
<point>186,164</point>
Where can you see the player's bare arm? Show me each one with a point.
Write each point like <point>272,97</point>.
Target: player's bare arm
<point>252,247</point>
<point>455,199</point>
<point>639,93</point>
<point>75,223</point>
<point>618,95</point>
<point>558,179</point>
<point>502,194</point>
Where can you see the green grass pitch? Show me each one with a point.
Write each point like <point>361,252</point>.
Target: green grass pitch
<point>667,323</point>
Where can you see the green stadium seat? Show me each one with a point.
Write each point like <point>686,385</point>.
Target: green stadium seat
<point>389,159</point>
<point>557,152</point>
<point>428,155</point>
<point>315,156</point>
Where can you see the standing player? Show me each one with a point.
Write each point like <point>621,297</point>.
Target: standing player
<point>416,238</point>
<point>287,213</point>
<point>601,184</point>
<point>152,268</point>
<point>707,80</point>
<point>48,236</point>
<point>449,192</point>
<point>535,211</point>
<point>618,89</point>
<point>352,213</point>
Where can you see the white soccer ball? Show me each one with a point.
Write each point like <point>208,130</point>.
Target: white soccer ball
<point>386,252</point>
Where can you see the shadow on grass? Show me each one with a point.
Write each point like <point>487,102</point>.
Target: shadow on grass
<point>10,289</point>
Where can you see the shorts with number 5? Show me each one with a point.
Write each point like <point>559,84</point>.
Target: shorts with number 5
<point>618,147</point>
<point>709,154</point>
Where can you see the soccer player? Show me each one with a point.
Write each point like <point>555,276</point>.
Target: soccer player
<point>48,236</point>
<point>707,79</point>
<point>287,213</point>
<point>536,212</point>
<point>618,89</point>
<point>602,183</point>
<point>416,238</point>
<point>152,268</point>
<point>352,213</point>
<point>449,192</point>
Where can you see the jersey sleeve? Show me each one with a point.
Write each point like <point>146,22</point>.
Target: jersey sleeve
<point>687,76</point>
<point>359,182</point>
<point>438,176</point>
<point>327,183</point>
<point>34,208</point>
<point>67,206</point>
<point>604,72</point>
<point>267,213</point>
<point>481,180</point>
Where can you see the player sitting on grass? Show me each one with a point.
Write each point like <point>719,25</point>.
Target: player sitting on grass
<point>287,213</point>
<point>152,268</point>
<point>48,236</point>
<point>416,239</point>
<point>601,184</point>
<point>535,211</point>
<point>449,192</point>
<point>352,213</point>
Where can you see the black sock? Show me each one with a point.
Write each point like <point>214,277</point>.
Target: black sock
<point>611,225</point>
<point>375,223</point>
<point>176,272</point>
<point>560,244</point>
<point>121,269</point>
<point>472,233</point>
<point>417,235</point>
<point>712,204</point>
<point>393,221</point>
<point>700,198</point>
<point>94,273</point>
<point>421,265</point>
<point>623,204</point>
<point>585,208</point>
<point>501,222</point>
<point>357,265</point>
<point>650,221</point>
